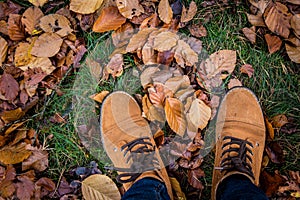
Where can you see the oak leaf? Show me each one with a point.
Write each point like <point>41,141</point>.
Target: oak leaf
<point>47,45</point>
<point>234,82</point>
<point>274,43</point>
<point>9,87</point>
<point>85,7</point>
<point>250,34</point>
<point>100,187</point>
<point>293,52</point>
<point>175,116</point>
<point>188,15</point>
<point>55,23</point>
<point>164,41</point>
<point>139,39</point>
<point>14,154</point>
<point>15,28</point>
<point>199,114</point>
<point>295,24</point>
<point>38,3</point>
<point>247,69</point>
<point>277,18</point>
<point>30,19</point>
<point>109,19</point>
<point>184,54</point>
<point>130,8</point>
<point>3,50</point>
<point>165,12</point>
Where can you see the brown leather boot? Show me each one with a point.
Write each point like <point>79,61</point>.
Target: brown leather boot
<point>240,137</point>
<point>127,140</point>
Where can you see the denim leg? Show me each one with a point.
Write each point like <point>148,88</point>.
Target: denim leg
<point>239,187</point>
<point>147,189</point>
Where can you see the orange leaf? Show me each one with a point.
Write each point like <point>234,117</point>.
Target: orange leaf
<point>14,154</point>
<point>3,50</point>
<point>55,23</point>
<point>279,120</point>
<point>274,43</point>
<point>174,110</point>
<point>270,129</point>
<point>100,96</point>
<point>15,28</point>
<point>109,19</point>
<point>85,7</point>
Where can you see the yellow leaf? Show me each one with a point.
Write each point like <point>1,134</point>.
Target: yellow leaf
<point>165,12</point>
<point>130,8</point>
<point>30,19</point>
<point>139,39</point>
<point>38,3</point>
<point>188,15</point>
<point>174,110</point>
<point>109,19</point>
<point>99,187</point>
<point>164,41</point>
<point>184,54</point>
<point>86,6</point>
<point>176,187</point>
<point>3,50</point>
<point>47,45</point>
<point>14,154</point>
<point>55,23</point>
<point>100,96</point>
<point>199,114</point>
<point>22,54</point>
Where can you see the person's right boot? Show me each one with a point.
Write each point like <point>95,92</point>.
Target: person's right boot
<point>240,137</point>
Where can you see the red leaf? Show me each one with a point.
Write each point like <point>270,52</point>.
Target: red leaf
<point>271,182</point>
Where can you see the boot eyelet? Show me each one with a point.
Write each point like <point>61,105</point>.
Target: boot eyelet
<point>115,149</point>
<point>257,144</point>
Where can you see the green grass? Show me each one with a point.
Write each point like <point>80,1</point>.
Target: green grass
<point>275,82</point>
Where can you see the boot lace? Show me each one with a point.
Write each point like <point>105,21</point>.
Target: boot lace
<point>143,159</point>
<point>237,158</point>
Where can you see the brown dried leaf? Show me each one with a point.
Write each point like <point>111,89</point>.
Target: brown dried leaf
<point>9,87</point>
<point>115,65</point>
<point>3,27</point>
<point>234,82</point>
<point>247,69</point>
<point>275,152</point>
<point>174,110</point>
<point>165,57</point>
<point>279,120</point>
<point>176,187</point>
<point>188,15</point>
<point>198,115</point>
<point>164,41</point>
<point>85,7</point>
<point>157,94</point>
<point>43,63</point>
<point>146,75</point>
<point>15,28</point>
<point>43,187</point>
<point>100,96</point>
<point>165,11</point>
<point>193,176</point>
<point>274,43</point>
<point>14,154</point>
<point>47,45</point>
<point>195,44</point>
<point>148,54</point>
<point>293,52</point>
<point>139,39</point>
<point>295,24</point>
<point>22,54</point>
<point>256,20</point>
<point>99,186</point>
<point>3,50</point>
<point>260,4</point>
<point>277,18</point>
<point>122,35</point>
<point>38,3</point>
<point>271,182</point>
<point>177,82</point>
<point>55,23</point>
<point>30,19</point>
<point>198,30</point>
<point>130,8</point>
<point>109,19</point>
<point>184,54</point>
<point>7,186</point>
<point>270,129</point>
<point>25,188</point>
<point>250,34</point>
<point>38,160</point>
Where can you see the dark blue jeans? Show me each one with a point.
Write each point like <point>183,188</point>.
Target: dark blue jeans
<point>235,187</point>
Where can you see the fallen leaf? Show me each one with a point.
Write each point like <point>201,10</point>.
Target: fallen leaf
<point>164,41</point>
<point>15,28</point>
<point>3,27</point>
<point>177,82</point>
<point>261,4</point>
<point>43,187</point>
<point>38,160</point>
<point>109,19</point>
<point>47,45</point>
<point>188,15</point>
<point>193,178</point>
<point>256,20</point>
<point>44,64</point>
<point>156,113</point>
<point>64,187</point>
<point>14,154</point>
<point>274,43</point>
<point>175,116</point>
<point>57,118</point>
<point>293,52</point>
<point>25,188</point>
<point>3,50</point>
<point>9,87</point>
<point>146,75</point>
<point>279,120</point>
<point>130,8</point>
<point>157,95</point>
<point>220,61</point>
<point>292,184</point>
<point>99,186</point>
<point>55,23</point>
<point>198,30</point>
<point>198,115</point>
<point>184,54</point>
<point>115,65</point>
<point>7,186</point>
<point>22,54</point>
<point>165,11</point>
<point>234,82</point>
<point>85,7</point>
<point>277,18</point>
<point>295,24</point>
<point>100,96</point>
<point>38,3</point>
<point>176,187</point>
<point>148,54</point>
<point>275,152</point>
<point>247,69</point>
<point>122,35</point>
<point>165,57</point>
<point>30,19</point>
<point>250,34</point>
<point>271,182</point>
<point>195,44</point>
<point>139,39</point>
<point>270,129</point>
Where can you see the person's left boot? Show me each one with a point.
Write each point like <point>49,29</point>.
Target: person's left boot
<point>127,140</point>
